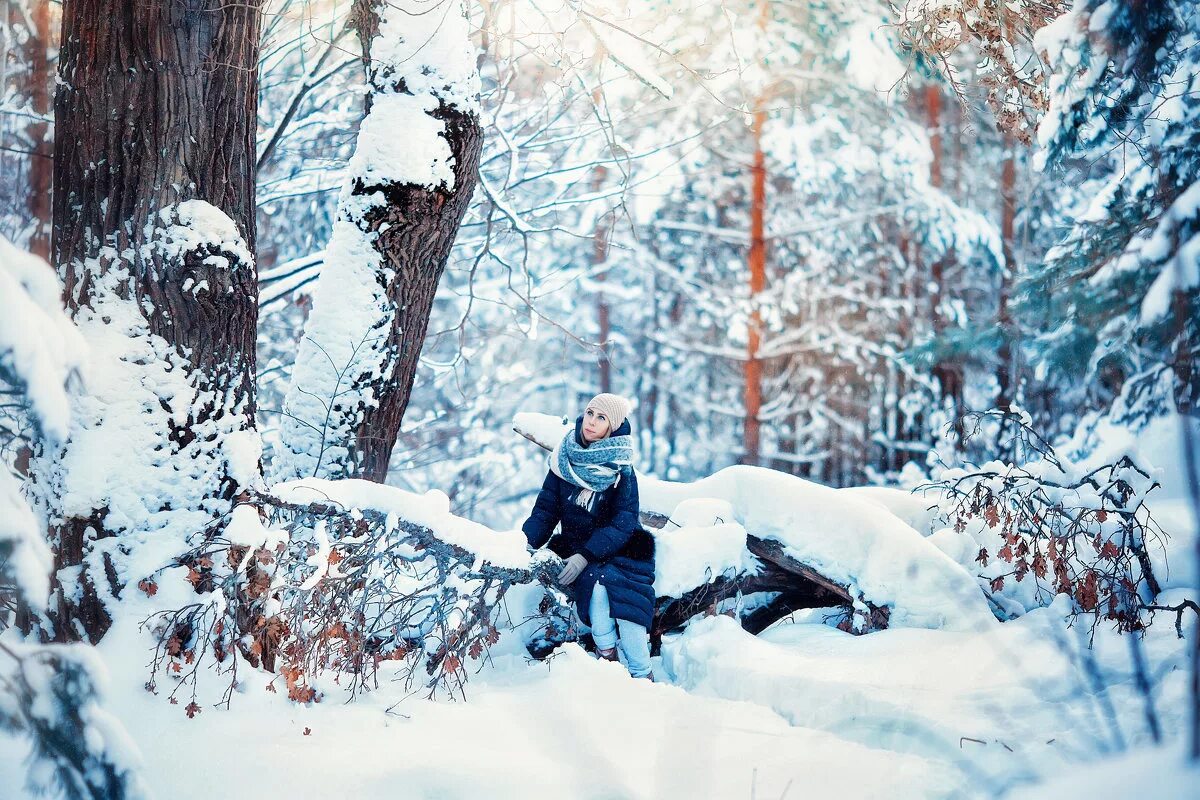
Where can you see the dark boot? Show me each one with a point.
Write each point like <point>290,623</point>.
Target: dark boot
<point>607,655</point>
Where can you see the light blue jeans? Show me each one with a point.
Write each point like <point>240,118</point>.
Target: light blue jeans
<point>635,640</point>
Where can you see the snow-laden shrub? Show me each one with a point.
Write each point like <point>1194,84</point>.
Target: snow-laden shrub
<point>49,693</point>
<point>1048,526</point>
<point>338,577</point>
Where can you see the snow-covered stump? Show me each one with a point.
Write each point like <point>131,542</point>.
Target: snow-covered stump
<point>411,177</point>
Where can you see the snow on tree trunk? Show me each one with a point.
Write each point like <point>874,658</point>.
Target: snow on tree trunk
<point>411,178</point>
<point>154,230</point>
<point>49,694</point>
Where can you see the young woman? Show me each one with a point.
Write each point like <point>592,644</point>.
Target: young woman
<point>592,491</point>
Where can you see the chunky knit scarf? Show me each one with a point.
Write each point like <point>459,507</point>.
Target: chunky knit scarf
<point>593,468</point>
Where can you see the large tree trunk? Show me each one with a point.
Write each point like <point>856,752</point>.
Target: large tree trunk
<point>411,178</point>
<point>155,117</point>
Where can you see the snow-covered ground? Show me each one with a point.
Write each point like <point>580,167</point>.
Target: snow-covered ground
<point>965,708</point>
<point>802,710</point>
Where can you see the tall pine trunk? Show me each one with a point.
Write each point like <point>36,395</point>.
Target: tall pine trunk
<point>948,371</point>
<point>412,175</point>
<point>758,280</point>
<point>41,164</point>
<point>155,116</point>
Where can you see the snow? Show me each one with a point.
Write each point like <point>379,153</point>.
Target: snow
<point>41,353</point>
<point>544,429</point>
<point>898,714</point>
<point>432,509</point>
<point>196,226</point>
<point>421,157</point>
<point>138,389</point>
<point>29,560</point>
<point>914,509</point>
<point>428,49</point>
<point>854,541</point>
<point>1014,691</point>
<point>1166,769</point>
<point>693,555</point>
<point>39,347</point>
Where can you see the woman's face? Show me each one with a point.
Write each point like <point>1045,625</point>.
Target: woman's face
<point>595,425</point>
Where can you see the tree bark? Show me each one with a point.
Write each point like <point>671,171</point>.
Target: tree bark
<point>155,118</point>
<point>1008,211</point>
<point>395,229</point>
<point>758,281</point>
<point>947,371</point>
<point>41,164</point>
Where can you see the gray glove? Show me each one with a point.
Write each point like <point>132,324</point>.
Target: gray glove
<point>571,569</point>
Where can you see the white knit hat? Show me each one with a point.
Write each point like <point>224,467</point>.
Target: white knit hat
<point>612,406</point>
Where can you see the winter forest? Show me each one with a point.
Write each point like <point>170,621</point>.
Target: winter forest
<point>578,399</point>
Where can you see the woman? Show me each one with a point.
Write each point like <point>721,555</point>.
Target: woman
<point>591,489</point>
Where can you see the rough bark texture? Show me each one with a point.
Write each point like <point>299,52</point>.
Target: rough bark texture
<point>420,228</point>
<point>397,221</point>
<point>156,105</point>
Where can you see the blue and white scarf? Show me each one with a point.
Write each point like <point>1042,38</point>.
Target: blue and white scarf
<point>593,468</point>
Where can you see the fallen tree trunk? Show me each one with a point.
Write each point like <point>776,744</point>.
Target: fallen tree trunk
<point>798,587</point>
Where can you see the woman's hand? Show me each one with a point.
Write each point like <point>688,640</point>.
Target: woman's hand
<point>571,569</point>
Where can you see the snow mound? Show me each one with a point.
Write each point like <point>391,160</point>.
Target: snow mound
<point>852,540</point>
<point>691,556</point>
<point>39,347</point>
<point>544,429</point>
<point>917,511</point>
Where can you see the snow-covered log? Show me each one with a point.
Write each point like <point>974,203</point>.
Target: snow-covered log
<point>410,180</point>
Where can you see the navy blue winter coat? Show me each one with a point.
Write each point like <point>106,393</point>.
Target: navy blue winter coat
<point>619,552</point>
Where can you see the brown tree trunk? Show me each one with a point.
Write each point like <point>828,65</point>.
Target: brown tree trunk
<point>155,107</point>
<point>1008,211</point>
<point>41,163</point>
<point>599,255</point>
<point>948,371</point>
<point>758,282</point>
<point>348,398</point>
